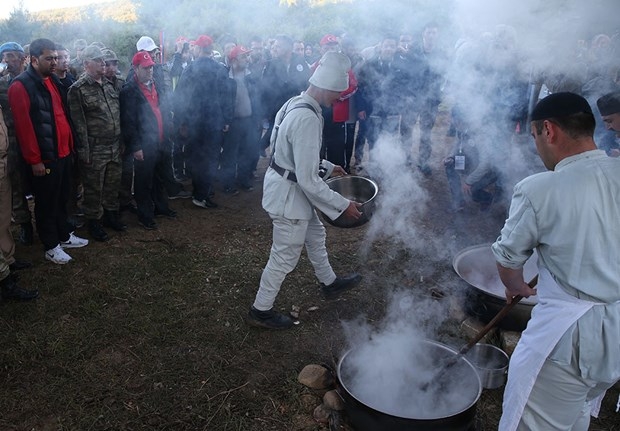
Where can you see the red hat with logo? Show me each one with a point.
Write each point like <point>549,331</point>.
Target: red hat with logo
<point>328,39</point>
<point>142,58</point>
<point>203,41</point>
<point>237,51</point>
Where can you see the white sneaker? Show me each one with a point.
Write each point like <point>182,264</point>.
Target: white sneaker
<point>57,255</point>
<point>74,242</point>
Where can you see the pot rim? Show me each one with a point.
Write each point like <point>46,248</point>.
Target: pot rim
<point>529,302</point>
<point>355,177</point>
<point>436,343</point>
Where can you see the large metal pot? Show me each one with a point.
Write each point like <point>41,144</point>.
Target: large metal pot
<point>476,265</point>
<point>390,397</point>
<point>358,189</point>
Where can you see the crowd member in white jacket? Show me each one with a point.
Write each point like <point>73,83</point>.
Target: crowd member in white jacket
<point>569,355</point>
<point>294,186</point>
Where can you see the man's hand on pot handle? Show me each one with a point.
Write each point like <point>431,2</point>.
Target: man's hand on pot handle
<point>338,171</point>
<point>352,210</point>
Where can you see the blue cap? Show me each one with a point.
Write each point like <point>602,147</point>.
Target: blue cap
<point>11,46</point>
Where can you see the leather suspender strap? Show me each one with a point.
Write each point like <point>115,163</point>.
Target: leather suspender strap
<point>284,173</point>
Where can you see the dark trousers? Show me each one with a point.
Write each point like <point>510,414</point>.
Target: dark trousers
<point>360,140</point>
<point>427,116</point>
<point>204,156</point>
<point>239,152</point>
<point>148,188</point>
<point>338,140</point>
<point>51,193</point>
<point>165,172</point>
<point>179,156</point>
<point>18,171</point>
<point>478,192</point>
<point>125,194</point>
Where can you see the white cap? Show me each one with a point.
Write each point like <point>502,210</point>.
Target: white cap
<point>332,73</point>
<point>145,43</point>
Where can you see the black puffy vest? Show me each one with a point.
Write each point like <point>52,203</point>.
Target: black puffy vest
<point>41,111</point>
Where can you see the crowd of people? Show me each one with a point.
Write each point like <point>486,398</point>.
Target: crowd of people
<point>132,143</point>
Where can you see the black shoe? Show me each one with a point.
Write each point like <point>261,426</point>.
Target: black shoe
<point>170,213</point>
<point>26,234</point>
<point>148,224</point>
<point>9,290</point>
<point>204,203</point>
<point>96,231</point>
<point>341,285</point>
<point>18,265</point>
<point>246,187</point>
<point>231,191</point>
<point>181,195</point>
<point>269,319</point>
<point>112,220</point>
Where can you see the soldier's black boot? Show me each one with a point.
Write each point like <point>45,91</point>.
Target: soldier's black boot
<point>112,220</point>
<point>9,290</point>
<point>96,231</point>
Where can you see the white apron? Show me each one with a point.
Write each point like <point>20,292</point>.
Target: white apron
<point>554,314</point>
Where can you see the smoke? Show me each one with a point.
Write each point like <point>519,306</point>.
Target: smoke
<point>388,368</point>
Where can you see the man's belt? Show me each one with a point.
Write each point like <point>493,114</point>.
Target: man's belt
<point>284,173</point>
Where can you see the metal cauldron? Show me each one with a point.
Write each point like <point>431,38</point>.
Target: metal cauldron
<point>368,411</point>
<point>476,265</point>
<point>358,189</point>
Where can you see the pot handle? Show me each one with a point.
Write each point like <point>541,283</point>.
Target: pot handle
<point>499,316</point>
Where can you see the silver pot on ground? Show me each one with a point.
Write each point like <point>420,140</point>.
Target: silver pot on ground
<point>476,266</point>
<point>491,362</point>
<point>391,398</point>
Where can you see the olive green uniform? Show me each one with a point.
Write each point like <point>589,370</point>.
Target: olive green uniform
<point>95,111</point>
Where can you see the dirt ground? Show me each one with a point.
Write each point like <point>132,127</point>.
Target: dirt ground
<point>147,331</point>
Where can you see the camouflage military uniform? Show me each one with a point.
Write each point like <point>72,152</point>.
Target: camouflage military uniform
<point>95,111</point>
<point>21,212</point>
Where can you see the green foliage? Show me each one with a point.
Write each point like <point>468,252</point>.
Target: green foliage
<point>18,27</point>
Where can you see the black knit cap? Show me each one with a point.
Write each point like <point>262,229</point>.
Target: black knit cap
<point>560,105</point>
<point>609,104</point>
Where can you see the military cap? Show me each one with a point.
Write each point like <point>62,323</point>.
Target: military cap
<point>92,52</point>
<point>109,55</point>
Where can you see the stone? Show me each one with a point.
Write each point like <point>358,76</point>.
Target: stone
<point>321,414</point>
<point>509,340</point>
<point>315,376</point>
<point>471,327</point>
<point>333,400</point>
